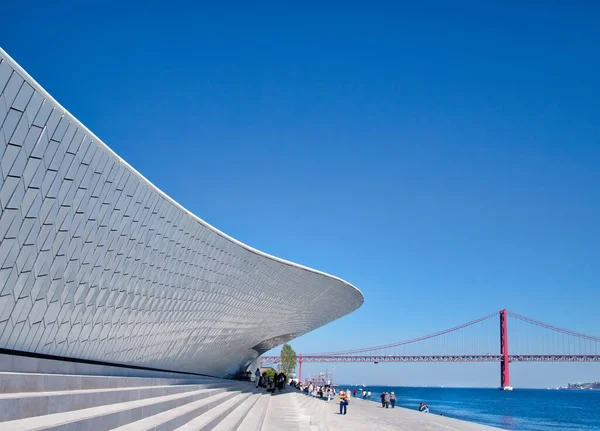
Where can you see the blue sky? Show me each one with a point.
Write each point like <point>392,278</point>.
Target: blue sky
<point>445,160</point>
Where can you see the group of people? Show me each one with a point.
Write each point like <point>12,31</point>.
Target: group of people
<point>387,399</point>
<point>329,392</point>
<point>278,381</point>
<point>318,391</point>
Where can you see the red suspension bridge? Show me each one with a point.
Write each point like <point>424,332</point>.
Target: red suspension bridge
<point>531,341</point>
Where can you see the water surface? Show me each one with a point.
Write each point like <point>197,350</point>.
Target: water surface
<point>519,410</point>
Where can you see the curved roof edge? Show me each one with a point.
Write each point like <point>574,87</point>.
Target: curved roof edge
<point>111,152</point>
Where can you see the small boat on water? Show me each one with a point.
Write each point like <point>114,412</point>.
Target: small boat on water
<point>506,388</point>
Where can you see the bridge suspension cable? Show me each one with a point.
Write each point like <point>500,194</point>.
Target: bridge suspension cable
<point>553,328</point>
<point>411,341</point>
<point>531,341</point>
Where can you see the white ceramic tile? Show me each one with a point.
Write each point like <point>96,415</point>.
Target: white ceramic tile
<point>106,268</point>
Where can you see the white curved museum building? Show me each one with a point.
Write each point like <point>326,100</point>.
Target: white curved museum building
<point>96,263</point>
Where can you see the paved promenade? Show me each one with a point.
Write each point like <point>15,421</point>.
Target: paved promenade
<point>367,415</point>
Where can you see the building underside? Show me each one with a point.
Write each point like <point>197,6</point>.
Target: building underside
<point>96,263</point>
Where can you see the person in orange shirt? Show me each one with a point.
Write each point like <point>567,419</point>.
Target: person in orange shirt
<point>343,402</point>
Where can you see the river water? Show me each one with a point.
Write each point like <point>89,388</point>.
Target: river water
<point>517,410</point>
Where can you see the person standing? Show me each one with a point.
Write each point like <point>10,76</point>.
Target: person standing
<point>275,382</point>
<point>369,394</point>
<point>364,395</point>
<point>387,400</point>
<point>282,381</point>
<point>257,377</point>
<point>393,399</point>
<point>382,398</point>
<point>343,402</point>
<point>354,392</point>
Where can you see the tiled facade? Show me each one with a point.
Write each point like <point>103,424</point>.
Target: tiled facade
<point>97,263</point>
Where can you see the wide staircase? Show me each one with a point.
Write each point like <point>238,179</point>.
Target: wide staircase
<point>30,401</point>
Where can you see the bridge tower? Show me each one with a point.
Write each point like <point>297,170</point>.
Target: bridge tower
<point>504,360</point>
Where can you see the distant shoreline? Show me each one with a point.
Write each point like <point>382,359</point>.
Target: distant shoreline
<point>562,388</point>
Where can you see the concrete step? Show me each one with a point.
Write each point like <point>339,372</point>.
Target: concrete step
<point>285,413</point>
<point>303,400</point>
<point>319,418</point>
<point>313,406</point>
<point>303,417</point>
<point>255,418</point>
<point>235,418</point>
<point>22,405</point>
<point>302,405</point>
<point>34,382</point>
<point>215,416</point>
<point>179,416</point>
<point>110,416</point>
<point>306,401</point>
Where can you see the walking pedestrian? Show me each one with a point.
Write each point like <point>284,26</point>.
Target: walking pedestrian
<point>382,398</point>
<point>386,400</point>
<point>393,399</point>
<point>369,394</point>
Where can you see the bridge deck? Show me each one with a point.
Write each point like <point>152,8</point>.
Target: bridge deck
<point>438,358</point>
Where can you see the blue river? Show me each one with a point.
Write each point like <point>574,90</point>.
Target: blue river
<point>518,410</point>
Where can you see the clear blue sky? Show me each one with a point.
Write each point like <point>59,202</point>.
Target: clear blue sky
<point>444,159</point>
